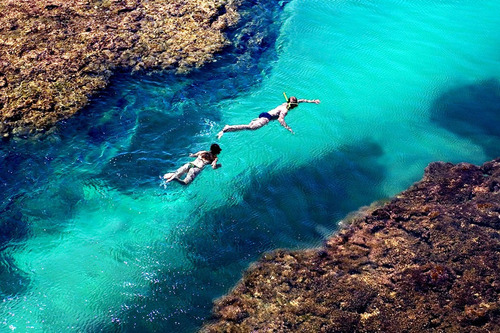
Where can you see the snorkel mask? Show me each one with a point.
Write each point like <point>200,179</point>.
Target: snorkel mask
<point>289,103</point>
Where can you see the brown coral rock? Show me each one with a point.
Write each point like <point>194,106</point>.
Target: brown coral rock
<point>55,54</point>
<point>427,261</point>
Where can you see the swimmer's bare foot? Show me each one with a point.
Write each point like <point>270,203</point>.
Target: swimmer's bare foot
<point>221,133</point>
<point>168,177</point>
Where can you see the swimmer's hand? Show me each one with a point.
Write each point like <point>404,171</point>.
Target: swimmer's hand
<point>316,101</point>
<point>217,166</point>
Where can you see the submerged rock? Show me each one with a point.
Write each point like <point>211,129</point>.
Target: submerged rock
<point>429,260</point>
<point>55,54</point>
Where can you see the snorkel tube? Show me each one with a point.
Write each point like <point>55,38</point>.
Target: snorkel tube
<point>290,103</point>
<point>287,101</point>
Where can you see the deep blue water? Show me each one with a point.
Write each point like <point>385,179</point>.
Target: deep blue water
<point>91,239</point>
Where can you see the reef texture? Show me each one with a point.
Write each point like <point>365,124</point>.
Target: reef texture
<point>55,54</point>
<point>427,261</point>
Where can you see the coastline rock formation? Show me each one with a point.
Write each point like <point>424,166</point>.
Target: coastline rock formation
<point>55,54</point>
<point>427,261</point>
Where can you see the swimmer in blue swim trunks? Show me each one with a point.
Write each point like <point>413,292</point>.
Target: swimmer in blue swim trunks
<point>277,113</point>
<point>192,169</point>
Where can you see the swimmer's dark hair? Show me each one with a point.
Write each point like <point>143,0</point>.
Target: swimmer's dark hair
<point>292,102</point>
<point>215,149</point>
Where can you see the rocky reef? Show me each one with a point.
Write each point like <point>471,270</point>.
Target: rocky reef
<point>55,54</point>
<point>427,261</point>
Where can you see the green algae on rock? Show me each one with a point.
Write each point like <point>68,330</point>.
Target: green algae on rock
<point>427,261</point>
<point>55,54</point>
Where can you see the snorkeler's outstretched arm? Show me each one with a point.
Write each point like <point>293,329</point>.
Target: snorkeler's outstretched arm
<point>283,123</point>
<point>315,101</point>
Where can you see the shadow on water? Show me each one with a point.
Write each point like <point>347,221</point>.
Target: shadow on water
<point>12,228</point>
<point>12,225</point>
<point>473,112</point>
<point>275,211</point>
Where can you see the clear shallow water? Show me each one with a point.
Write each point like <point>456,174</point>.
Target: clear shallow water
<point>90,240</point>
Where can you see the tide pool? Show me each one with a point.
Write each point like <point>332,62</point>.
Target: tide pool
<point>92,240</point>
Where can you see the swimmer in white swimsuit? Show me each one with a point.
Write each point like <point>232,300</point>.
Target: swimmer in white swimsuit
<point>278,113</point>
<point>192,169</point>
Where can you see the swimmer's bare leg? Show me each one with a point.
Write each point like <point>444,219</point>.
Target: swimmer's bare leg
<point>172,175</point>
<point>168,176</point>
<point>180,180</point>
<point>221,133</point>
<point>232,128</point>
<point>254,124</point>
<point>191,175</point>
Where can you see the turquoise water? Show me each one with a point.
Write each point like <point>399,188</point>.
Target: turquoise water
<point>90,238</point>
